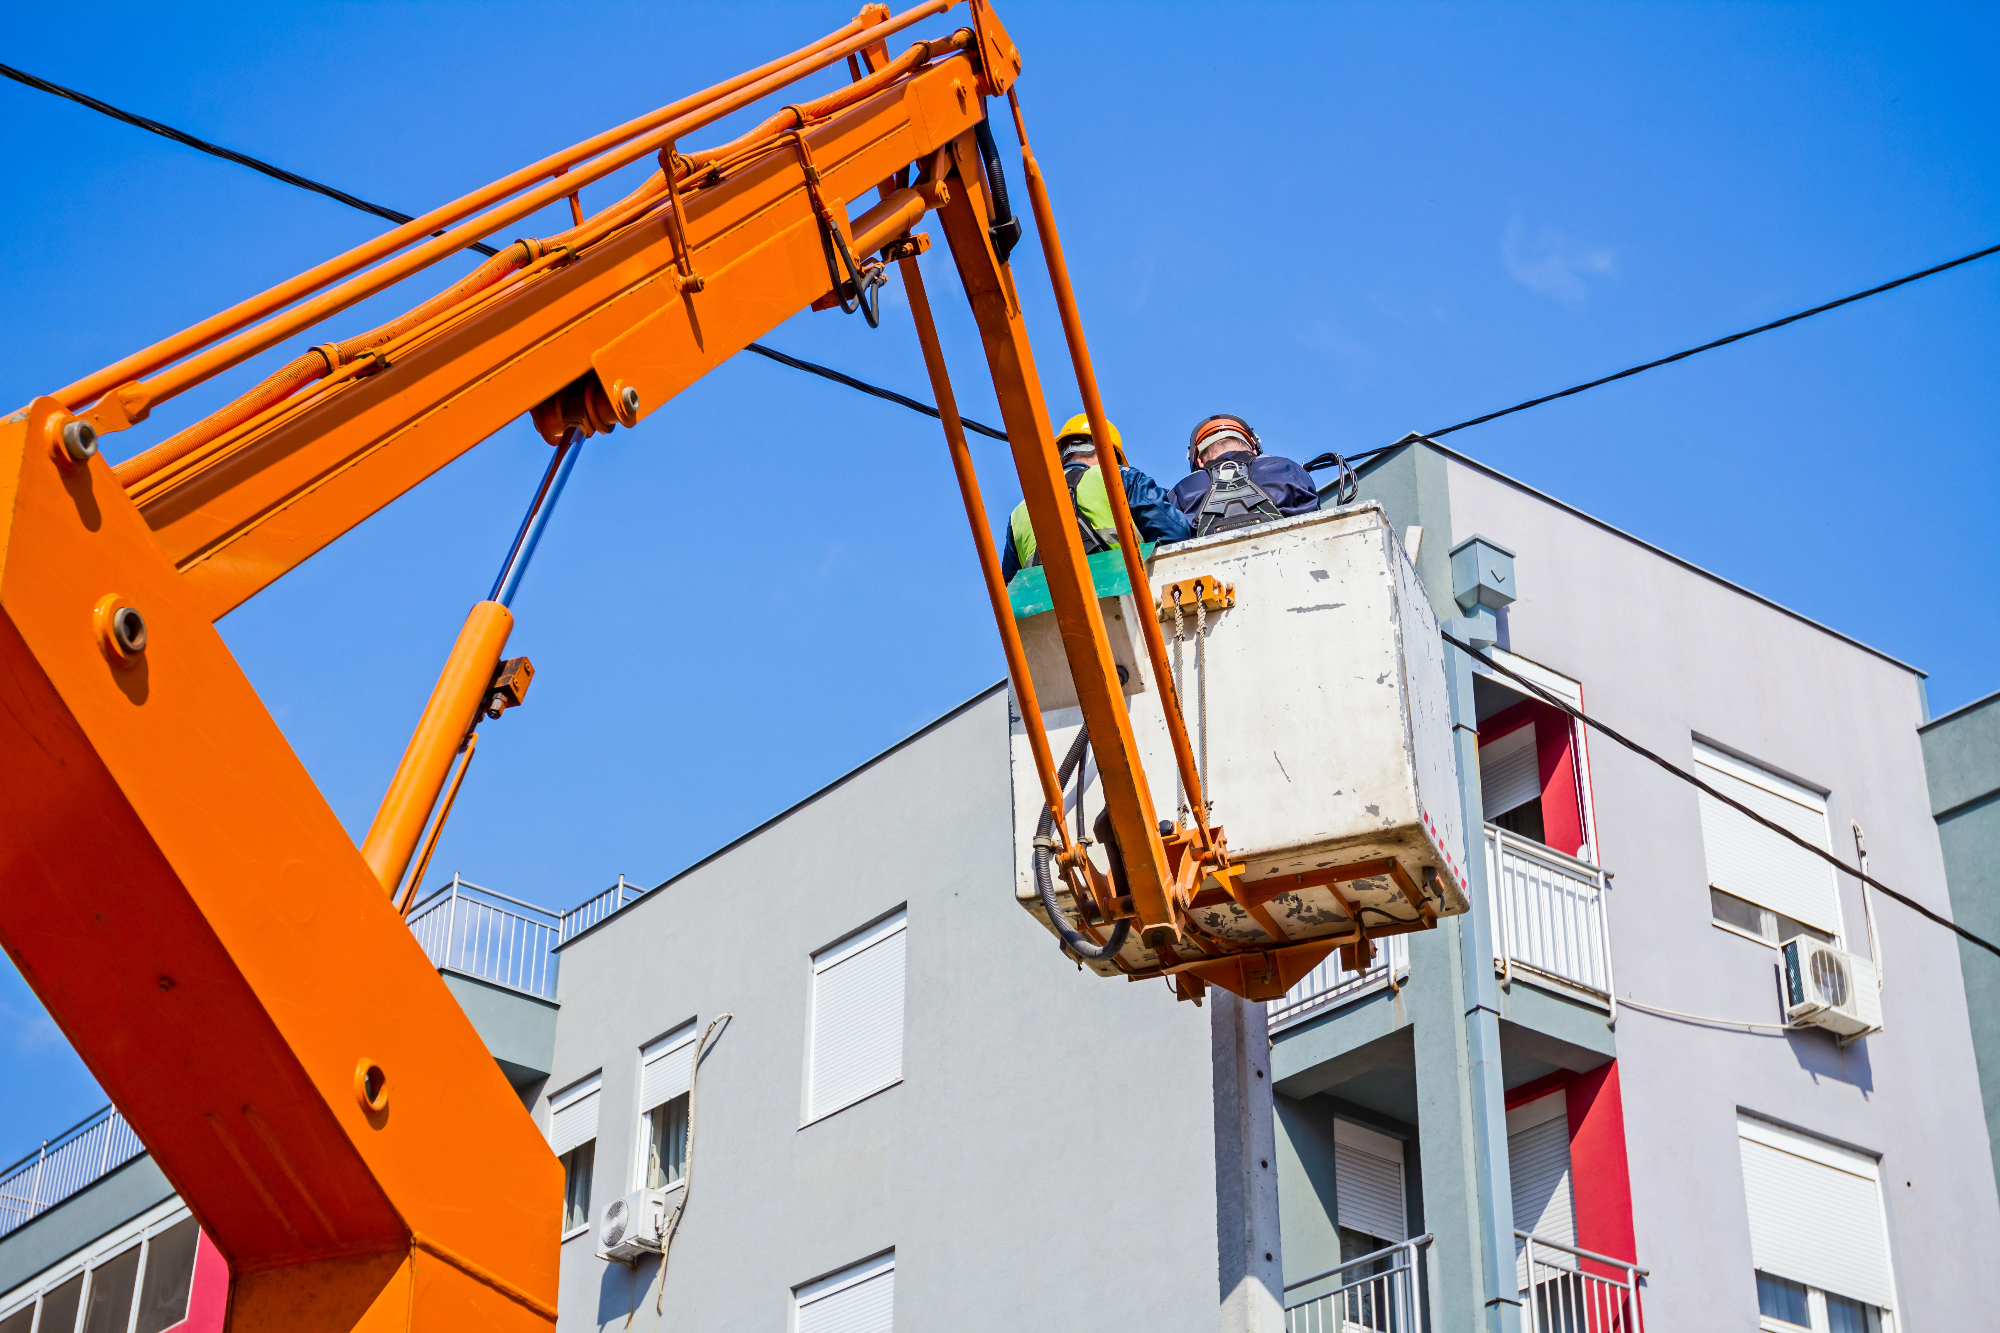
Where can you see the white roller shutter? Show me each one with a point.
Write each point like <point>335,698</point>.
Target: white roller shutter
<point>1538,1177</point>
<point>1752,862</point>
<point>573,1116</point>
<point>1538,1169</point>
<point>1368,1181</point>
<point>666,1067</point>
<point>1509,773</point>
<point>1815,1213</point>
<point>855,1039</point>
<point>861,1299</point>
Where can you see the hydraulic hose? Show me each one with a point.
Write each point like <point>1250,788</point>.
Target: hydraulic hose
<point>1075,942</point>
<point>1006,228</point>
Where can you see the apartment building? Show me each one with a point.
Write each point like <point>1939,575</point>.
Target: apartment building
<point>1580,1106</point>
<point>1962,759</point>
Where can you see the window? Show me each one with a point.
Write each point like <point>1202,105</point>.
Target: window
<point>148,1263</point>
<point>573,1139</point>
<point>1764,885</point>
<point>666,1070</point>
<point>1532,764</point>
<point>59,1306</point>
<point>854,1037</point>
<point>163,1291</point>
<point>1817,1235</point>
<point>1783,1300</point>
<point>1510,782</point>
<point>1769,926</point>
<point>1538,1170</point>
<point>578,1165</point>
<point>1368,1185</point>
<point>858,1299</point>
<point>109,1306</point>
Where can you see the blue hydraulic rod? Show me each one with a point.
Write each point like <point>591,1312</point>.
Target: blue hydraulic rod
<point>536,519</point>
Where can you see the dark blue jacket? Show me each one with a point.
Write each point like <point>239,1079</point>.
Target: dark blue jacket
<point>1153,513</point>
<point>1290,486</point>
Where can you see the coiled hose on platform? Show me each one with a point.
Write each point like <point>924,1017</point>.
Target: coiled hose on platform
<point>1075,942</point>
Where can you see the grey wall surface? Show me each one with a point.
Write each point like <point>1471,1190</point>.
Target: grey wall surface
<point>1665,653</point>
<point>1047,1162</point>
<point>107,1204</point>
<point>1962,757</point>
<point>519,1030</point>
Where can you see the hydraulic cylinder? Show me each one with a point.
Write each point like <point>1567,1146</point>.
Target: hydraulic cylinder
<point>454,705</point>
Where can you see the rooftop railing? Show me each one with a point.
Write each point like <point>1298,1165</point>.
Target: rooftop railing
<point>474,930</point>
<point>462,926</point>
<point>70,1162</point>
<point>1330,985</point>
<point>593,910</point>
<point>486,934</point>
<point>1549,920</point>
<point>1375,1293</point>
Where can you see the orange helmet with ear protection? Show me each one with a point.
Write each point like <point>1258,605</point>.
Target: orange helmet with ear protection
<point>1212,430</point>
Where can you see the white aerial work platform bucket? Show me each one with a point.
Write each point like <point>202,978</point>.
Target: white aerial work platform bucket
<point>1330,763</point>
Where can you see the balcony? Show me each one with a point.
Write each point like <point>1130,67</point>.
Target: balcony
<point>1567,1290</point>
<point>1375,1293</point>
<point>1549,923</point>
<point>1549,927</point>
<point>1330,985</point>
<point>467,928</point>
<point>65,1165</point>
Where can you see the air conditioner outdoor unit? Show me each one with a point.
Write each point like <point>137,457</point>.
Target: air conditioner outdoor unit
<point>1827,988</point>
<point>633,1226</point>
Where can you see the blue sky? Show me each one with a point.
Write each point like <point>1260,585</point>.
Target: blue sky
<point>1343,221</point>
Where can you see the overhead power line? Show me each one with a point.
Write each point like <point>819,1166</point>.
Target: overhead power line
<point>1727,800</point>
<point>916,405</point>
<point>904,400</point>
<point>1723,342</point>
<point>828,373</point>
<point>217,150</point>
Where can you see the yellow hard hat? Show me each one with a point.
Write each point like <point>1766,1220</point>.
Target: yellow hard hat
<point>1079,425</point>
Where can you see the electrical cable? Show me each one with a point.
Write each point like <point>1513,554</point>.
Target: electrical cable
<point>1711,1022</point>
<point>390,214</point>
<point>215,150</point>
<point>673,1225</point>
<point>1729,801</point>
<point>1723,342</point>
<point>890,395</point>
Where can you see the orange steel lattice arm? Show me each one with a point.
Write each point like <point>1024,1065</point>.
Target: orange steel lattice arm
<point>175,888</point>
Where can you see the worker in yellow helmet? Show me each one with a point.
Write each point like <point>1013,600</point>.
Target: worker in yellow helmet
<point>1153,511</point>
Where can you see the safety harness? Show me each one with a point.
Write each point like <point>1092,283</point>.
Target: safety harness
<point>1233,500</point>
<point>1094,537</point>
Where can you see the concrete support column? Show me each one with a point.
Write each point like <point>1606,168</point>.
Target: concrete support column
<point>1479,1002</point>
<point>1249,1262</point>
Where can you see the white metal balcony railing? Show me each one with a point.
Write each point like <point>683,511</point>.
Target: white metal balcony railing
<point>80,1156</point>
<point>1548,923</point>
<point>1375,1293</point>
<point>1567,1290</point>
<point>504,940</point>
<point>1330,985</point>
<point>1549,918</point>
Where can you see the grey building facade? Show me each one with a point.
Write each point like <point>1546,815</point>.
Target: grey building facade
<point>1583,1099</point>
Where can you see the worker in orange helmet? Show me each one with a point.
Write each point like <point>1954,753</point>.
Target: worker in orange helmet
<point>1233,483</point>
<point>1153,511</point>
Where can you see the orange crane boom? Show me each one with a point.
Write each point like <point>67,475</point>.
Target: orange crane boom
<point>173,885</point>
